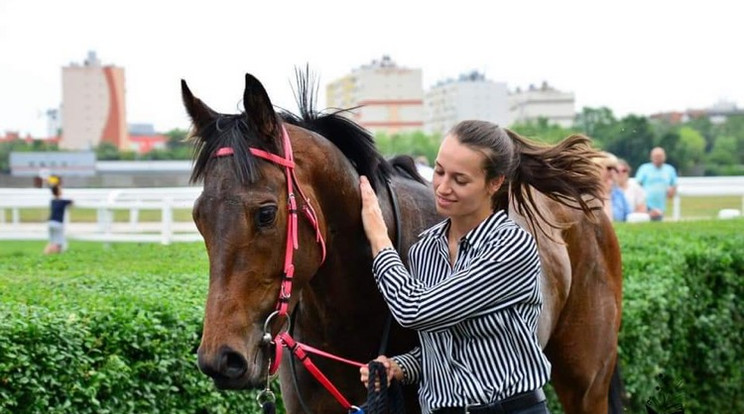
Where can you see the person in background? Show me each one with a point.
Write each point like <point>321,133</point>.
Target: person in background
<point>58,205</point>
<point>659,181</point>
<point>634,193</point>
<point>616,206</point>
<point>473,293</point>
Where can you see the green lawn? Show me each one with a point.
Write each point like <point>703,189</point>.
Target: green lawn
<point>704,207</point>
<point>89,215</point>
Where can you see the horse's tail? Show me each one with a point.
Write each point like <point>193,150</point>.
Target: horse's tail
<point>617,391</point>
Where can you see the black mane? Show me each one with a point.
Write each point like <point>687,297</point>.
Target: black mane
<point>356,143</point>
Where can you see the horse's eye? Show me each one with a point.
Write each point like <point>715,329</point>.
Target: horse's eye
<point>265,216</point>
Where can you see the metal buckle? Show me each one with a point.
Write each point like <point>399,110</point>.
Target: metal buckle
<point>267,338</point>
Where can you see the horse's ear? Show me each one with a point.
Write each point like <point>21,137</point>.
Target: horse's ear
<point>201,115</point>
<point>258,106</point>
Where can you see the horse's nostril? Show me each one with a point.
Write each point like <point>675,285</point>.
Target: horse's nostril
<point>233,365</point>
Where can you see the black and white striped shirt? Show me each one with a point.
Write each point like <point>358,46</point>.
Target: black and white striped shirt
<point>476,321</point>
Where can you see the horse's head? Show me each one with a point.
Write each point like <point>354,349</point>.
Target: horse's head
<point>243,216</point>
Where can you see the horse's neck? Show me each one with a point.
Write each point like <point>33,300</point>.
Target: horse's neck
<point>339,294</point>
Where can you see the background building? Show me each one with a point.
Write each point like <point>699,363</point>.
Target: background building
<point>389,97</point>
<point>544,102</point>
<point>471,96</point>
<point>93,105</point>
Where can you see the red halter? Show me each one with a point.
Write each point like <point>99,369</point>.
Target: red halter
<point>283,338</point>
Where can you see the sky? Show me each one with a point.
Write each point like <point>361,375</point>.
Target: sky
<point>633,56</point>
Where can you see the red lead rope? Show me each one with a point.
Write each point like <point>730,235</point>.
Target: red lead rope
<point>285,291</point>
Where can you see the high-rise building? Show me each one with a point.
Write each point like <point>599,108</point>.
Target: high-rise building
<point>93,105</point>
<point>543,102</point>
<point>470,96</point>
<point>388,98</point>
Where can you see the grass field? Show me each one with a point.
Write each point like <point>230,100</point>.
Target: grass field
<point>705,207</point>
<point>88,215</point>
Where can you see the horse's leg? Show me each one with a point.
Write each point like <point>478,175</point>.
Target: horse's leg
<point>583,346</point>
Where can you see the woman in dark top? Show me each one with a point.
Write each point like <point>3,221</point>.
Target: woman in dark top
<point>57,207</point>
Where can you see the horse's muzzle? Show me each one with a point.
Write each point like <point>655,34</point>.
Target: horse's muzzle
<point>230,369</point>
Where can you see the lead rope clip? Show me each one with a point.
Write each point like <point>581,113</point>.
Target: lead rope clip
<point>266,398</point>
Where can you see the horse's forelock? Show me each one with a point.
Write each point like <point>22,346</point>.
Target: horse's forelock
<point>237,133</point>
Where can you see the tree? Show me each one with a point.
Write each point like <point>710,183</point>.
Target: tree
<point>177,139</point>
<point>723,152</point>
<point>541,130</point>
<point>411,143</point>
<point>597,123</point>
<point>106,151</point>
<point>734,127</point>
<point>690,152</point>
<point>631,139</point>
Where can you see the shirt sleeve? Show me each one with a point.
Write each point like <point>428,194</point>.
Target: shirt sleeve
<point>641,174</point>
<point>503,273</point>
<point>410,364</point>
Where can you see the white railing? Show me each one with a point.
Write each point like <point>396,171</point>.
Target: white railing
<point>707,187</point>
<point>167,230</point>
<point>105,202</point>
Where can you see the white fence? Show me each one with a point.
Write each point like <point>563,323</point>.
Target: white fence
<point>707,187</point>
<point>106,201</point>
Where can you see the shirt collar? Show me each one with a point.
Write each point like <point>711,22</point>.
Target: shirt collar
<point>475,237</point>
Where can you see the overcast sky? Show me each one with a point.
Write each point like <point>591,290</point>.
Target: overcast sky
<point>631,56</point>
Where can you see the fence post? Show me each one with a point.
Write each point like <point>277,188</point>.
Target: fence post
<point>16,216</point>
<point>133,218</point>
<point>676,209</point>
<point>167,218</point>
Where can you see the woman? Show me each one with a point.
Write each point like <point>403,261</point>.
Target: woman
<point>633,191</point>
<point>616,205</point>
<point>473,293</point>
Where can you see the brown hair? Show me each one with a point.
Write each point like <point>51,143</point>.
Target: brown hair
<point>563,172</point>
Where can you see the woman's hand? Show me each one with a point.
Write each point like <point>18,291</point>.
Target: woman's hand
<point>374,223</point>
<point>391,367</point>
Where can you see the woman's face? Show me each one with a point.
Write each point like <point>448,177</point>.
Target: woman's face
<point>460,182</point>
<point>610,175</point>
<point>623,173</point>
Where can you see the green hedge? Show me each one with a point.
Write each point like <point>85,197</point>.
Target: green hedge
<point>115,329</point>
<point>682,317</point>
<point>105,330</point>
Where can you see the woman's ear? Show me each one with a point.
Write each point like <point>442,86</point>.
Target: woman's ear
<point>495,184</point>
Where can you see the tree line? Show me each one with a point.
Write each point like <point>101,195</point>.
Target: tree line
<point>695,147</point>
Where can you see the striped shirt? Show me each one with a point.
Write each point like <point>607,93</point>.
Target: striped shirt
<point>476,321</point>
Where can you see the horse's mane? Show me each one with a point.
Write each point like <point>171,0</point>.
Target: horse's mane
<point>355,142</point>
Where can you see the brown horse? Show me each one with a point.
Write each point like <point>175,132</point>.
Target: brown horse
<point>244,210</point>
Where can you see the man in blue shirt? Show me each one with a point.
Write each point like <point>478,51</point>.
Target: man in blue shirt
<point>659,180</point>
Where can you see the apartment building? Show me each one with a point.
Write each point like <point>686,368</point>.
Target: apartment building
<point>544,102</point>
<point>386,97</point>
<point>470,96</point>
<point>93,105</point>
